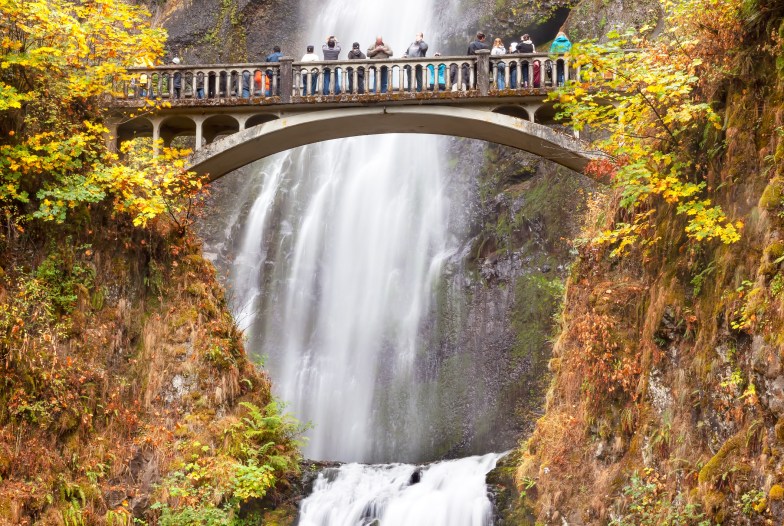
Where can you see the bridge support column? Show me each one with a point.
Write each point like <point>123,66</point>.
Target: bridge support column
<point>199,132</point>
<point>531,110</point>
<point>156,134</point>
<point>242,120</point>
<point>483,71</point>
<point>111,138</point>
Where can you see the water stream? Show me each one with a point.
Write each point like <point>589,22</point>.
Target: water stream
<point>337,267</point>
<point>450,493</point>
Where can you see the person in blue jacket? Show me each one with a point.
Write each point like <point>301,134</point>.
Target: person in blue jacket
<point>560,45</point>
<point>273,57</point>
<point>431,70</point>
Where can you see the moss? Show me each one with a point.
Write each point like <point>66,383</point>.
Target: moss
<point>720,464</point>
<point>776,492</point>
<point>775,250</point>
<point>771,196</point>
<point>283,516</point>
<point>779,429</point>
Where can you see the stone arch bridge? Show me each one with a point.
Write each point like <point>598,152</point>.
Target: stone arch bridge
<point>244,112</point>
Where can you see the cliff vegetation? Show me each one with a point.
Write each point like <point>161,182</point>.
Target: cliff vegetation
<point>667,397</point>
<point>126,396</point>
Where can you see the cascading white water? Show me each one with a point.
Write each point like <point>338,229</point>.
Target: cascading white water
<point>338,261</point>
<point>337,268</point>
<point>450,493</point>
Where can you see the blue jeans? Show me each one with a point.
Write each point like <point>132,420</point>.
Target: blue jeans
<point>383,73</point>
<point>499,77</point>
<point>327,76</point>
<point>313,82</point>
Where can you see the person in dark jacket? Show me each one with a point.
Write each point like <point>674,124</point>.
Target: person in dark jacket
<point>473,47</point>
<point>177,82</point>
<point>477,44</point>
<point>417,48</point>
<point>526,46</point>
<point>331,51</point>
<point>273,57</point>
<point>356,54</point>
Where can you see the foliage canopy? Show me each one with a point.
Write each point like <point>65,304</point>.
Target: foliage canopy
<point>644,97</point>
<point>56,57</point>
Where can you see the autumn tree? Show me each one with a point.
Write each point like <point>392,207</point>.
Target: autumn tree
<point>56,57</point>
<point>643,96</point>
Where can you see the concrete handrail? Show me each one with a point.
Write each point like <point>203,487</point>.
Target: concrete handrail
<point>290,80</point>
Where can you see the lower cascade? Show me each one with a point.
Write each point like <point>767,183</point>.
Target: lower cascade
<point>447,493</point>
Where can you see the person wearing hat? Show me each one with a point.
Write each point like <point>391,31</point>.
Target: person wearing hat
<point>177,79</point>
<point>356,54</point>
<point>309,56</point>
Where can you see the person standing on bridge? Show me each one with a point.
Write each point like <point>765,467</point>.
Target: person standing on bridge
<point>433,78</point>
<point>273,57</point>
<point>560,45</point>
<point>379,50</point>
<point>473,47</point>
<point>309,56</point>
<point>417,48</point>
<point>500,67</point>
<point>331,51</point>
<point>525,46</point>
<point>356,54</point>
<point>177,79</point>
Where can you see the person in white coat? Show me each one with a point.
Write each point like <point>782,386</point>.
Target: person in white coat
<point>500,68</point>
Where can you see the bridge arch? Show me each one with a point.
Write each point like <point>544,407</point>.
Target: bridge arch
<point>517,111</point>
<point>176,126</point>
<point>260,118</point>
<point>217,125</point>
<point>257,142</point>
<point>135,127</point>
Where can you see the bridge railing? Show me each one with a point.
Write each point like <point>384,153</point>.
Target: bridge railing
<point>216,81</point>
<point>290,81</point>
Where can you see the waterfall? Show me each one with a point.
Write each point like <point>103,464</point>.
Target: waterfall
<point>338,262</point>
<point>338,281</point>
<point>450,493</point>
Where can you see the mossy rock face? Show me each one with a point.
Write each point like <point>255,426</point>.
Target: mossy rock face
<point>721,461</point>
<point>771,197</point>
<point>714,505</point>
<point>776,492</point>
<point>510,504</point>
<point>779,429</point>
<point>283,516</point>
<point>775,250</point>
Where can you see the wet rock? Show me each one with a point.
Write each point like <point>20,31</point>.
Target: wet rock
<point>775,392</point>
<point>764,358</point>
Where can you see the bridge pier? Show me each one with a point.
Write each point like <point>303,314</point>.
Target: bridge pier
<point>156,133</point>
<point>199,132</point>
